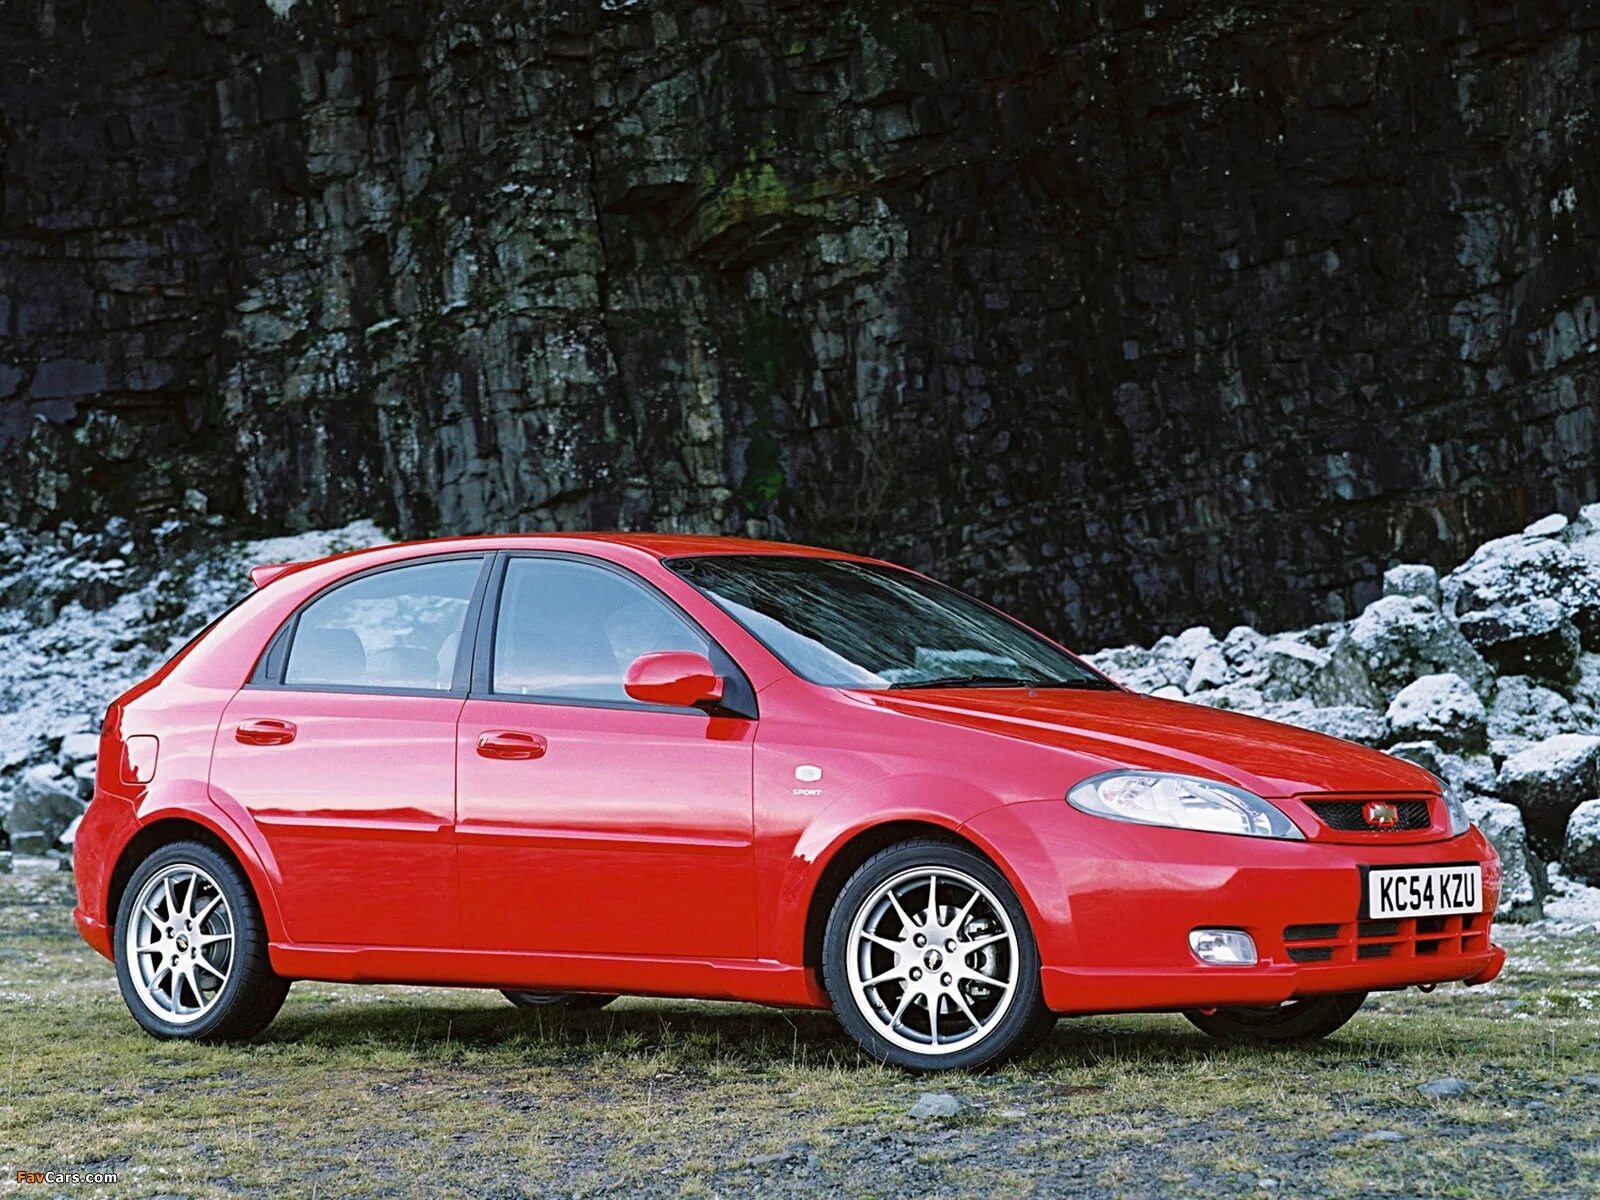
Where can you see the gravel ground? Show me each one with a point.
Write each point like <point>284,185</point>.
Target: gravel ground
<point>407,1091</point>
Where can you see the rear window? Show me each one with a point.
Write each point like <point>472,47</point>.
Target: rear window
<point>398,628</point>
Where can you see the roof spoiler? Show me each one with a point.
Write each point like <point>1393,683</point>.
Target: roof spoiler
<point>265,573</point>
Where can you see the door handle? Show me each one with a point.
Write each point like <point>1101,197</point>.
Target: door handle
<point>512,744</point>
<point>265,732</point>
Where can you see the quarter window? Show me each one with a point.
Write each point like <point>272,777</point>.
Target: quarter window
<point>399,628</point>
<point>569,631</point>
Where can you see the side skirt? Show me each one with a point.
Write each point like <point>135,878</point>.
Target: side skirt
<point>756,981</point>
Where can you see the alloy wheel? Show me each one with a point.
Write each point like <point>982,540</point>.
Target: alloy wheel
<point>179,943</point>
<point>932,960</point>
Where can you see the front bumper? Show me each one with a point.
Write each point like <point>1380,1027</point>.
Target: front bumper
<point>1112,905</point>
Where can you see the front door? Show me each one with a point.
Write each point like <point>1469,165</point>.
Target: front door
<point>587,822</point>
<point>344,757</point>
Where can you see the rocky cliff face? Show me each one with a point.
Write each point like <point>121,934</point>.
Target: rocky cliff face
<point>1125,316</point>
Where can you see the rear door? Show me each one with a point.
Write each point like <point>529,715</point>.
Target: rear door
<point>342,750</point>
<point>587,822</point>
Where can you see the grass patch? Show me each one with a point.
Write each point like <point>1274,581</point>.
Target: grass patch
<point>369,1091</point>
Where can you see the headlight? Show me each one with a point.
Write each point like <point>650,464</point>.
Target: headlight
<point>1460,822</point>
<point>1180,802</point>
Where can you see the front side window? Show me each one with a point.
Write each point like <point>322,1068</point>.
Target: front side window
<point>570,630</point>
<point>397,628</point>
<point>848,624</point>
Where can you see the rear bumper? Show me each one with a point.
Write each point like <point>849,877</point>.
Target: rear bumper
<point>107,826</point>
<point>97,933</point>
<point>1112,905</point>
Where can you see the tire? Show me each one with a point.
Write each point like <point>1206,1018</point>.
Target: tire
<point>567,1001</point>
<point>985,1010</point>
<point>1297,1021</point>
<point>224,987</point>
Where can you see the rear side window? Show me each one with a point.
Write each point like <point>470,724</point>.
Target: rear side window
<point>399,628</point>
<point>570,631</point>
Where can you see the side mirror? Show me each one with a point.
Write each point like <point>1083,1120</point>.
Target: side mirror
<point>679,678</point>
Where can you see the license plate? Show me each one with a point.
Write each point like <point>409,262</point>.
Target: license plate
<point>1423,891</point>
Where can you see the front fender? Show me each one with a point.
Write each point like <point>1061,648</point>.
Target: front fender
<point>923,799</point>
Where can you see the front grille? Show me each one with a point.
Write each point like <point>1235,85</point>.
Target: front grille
<point>1410,937</point>
<point>1345,815</point>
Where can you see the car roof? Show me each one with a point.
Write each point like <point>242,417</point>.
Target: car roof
<point>656,545</point>
<point>672,545</point>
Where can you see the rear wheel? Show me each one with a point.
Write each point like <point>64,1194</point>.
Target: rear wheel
<point>1297,1021</point>
<point>930,963</point>
<point>191,948</point>
<point>570,1001</point>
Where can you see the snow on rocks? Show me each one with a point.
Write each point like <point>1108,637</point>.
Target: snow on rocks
<point>1510,571</point>
<point>1481,676</point>
<point>1439,707</point>
<point>1469,774</point>
<point>1351,722</point>
<point>44,804</point>
<point>1580,856</point>
<point>1547,781</point>
<point>1522,882</point>
<point>1394,641</point>
<point>1412,579</point>
<point>1532,638</point>
<point>1523,711</point>
<point>86,614</point>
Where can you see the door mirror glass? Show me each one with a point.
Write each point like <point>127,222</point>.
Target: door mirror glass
<point>675,677</point>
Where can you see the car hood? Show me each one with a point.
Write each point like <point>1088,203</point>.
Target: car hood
<point>1126,730</point>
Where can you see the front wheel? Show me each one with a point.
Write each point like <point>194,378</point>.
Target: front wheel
<point>191,948</point>
<point>930,963</point>
<point>1297,1021</point>
<point>569,1001</point>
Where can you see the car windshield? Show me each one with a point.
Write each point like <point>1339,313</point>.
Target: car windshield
<point>863,625</point>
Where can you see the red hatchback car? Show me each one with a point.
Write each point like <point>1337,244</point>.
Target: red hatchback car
<point>571,767</point>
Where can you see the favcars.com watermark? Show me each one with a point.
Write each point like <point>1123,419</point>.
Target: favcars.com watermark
<point>68,1177</point>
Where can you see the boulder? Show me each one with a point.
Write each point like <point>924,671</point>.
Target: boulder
<point>1192,642</point>
<point>1510,571</point>
<point>1237,697</point>
<point>1534,638</point>
<point>1547,781</point>
<point>1140,669</point>
<point>1290,665</point>
<point>1585,688</point>
<point>1441,708</point>
<point>1412,579</point>
<point>1348,721</point>
<point>1580,856</point>
<point>1395,640</point>
<point>1523,711</point>
<point>1468,774</point>
<point>1552,526</point>
<point>43,804</point>
<point>1210,670</point>
<point>78,747</point>
<point>1242,649</point>
<point>1522,876</point>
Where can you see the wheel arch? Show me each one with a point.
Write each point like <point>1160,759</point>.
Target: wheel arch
<point>165,830</point>
<point>846,857</point>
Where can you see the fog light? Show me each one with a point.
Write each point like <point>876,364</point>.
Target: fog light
<point>1223,947</point>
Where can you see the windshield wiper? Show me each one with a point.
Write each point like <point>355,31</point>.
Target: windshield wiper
<point>968,681</point>
<point>999,681</point>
